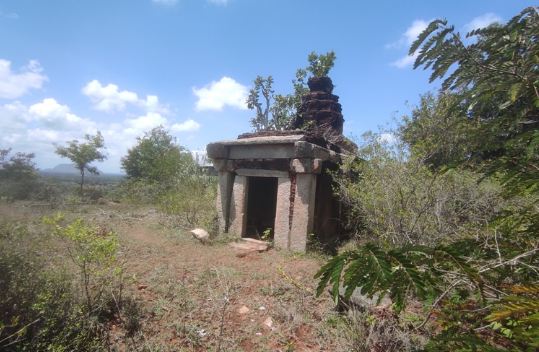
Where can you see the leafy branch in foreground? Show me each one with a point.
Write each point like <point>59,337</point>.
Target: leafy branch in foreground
<point>398,273</point>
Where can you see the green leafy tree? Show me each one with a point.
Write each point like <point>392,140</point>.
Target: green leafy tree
<point>277,111</point>
<point>484,291</point>
<point>156,157</point>
<point>82,154</point>
<point>18,174</point>
<point>438,131</point>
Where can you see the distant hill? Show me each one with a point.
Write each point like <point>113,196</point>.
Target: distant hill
<point>62,169</point>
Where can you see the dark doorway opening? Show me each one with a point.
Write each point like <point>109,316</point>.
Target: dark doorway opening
<point>261,207</point>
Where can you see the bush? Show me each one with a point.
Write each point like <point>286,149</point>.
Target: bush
<point>44,304</point>
<point>39,306</point>
<point>191,200</point>
<point>18,175</point>
<point>396,199</point>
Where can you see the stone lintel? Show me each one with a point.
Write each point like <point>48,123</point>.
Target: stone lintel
<point>303,221</point>
<point>217,151</point>
<point>237,205</point>
<point>308,150</point>
<point>262,173</point>
<point>281,237</point>
<point>261,151</point>
<point>302,166</point>
<point>223,165</point>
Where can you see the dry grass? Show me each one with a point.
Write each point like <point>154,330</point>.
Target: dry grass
<point>190,293</point>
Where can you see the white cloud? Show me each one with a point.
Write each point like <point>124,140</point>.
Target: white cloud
<point>144,123</point>
<point>407,38</point>
<point>165,2</point>
<point>108,98</point>
<point>55,115</point>
<point>13,117</point>
<point>218,94</point>
<point>14,85</point>
<point>415,30</point>
<point>404,61</point>
<point>219,2</point>
<point>482,21</point>
<point>186,126</point>
<point>410,35</point>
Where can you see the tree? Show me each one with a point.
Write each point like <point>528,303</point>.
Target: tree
<point>156,157</point>
<point>494,85</point>
<point>438,131</point>
<point>277,111</point>
<point>484,288</point>
<point>83,154</point>
<point>18,174</point>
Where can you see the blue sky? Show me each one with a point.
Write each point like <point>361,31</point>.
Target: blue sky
<point>124,66</point>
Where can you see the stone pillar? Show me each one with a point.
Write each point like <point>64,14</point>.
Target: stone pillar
<point>303,220</point>
<point>224,194</point>
<point>281,234</point>
<point>238,205</point>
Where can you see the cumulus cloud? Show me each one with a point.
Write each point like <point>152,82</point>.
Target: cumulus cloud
<point>218,94</point>
<point>13,117</point>
<point>36,127</point>
<point>410,35</point>
<point>145,123</point>
<point>14,85</point>
<point>108,98</point>
<point>404,61</point>
<point>53,114</point>
<point>407,38</point>
<point>186,126</point>
<point>482,21</point>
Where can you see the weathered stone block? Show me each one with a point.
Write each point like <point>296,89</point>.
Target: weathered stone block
<point>217,151</point>
<point>310,151</point>
<point>237,205</point>
<point>302,223</point>
<point>261,173</point>
<point>224,194</point>
<point>302,166</point>
<point>282,214</point>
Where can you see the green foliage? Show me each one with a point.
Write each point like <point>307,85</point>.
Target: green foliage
<point>39,310</point>
<point>320,65</point>
<point>396,199</point>
<point>156,157</point>
<point>83,154</point>
<point>278,111</point>
<point>517,315</point>
<point>398,272</point>
<point>438,131</point>
<point>191,199</point>
<point>18,175</point>
<point>484,119</point>
<point>495,84</point>
<point>94,251</point>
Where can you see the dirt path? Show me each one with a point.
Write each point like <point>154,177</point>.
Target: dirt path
<point>197,297</point>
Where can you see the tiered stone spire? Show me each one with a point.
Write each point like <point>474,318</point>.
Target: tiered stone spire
<point>320,109</point>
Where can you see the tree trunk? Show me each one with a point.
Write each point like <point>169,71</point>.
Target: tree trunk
<point>81,180</point>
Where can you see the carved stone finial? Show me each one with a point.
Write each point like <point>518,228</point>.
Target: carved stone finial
<point>320,109</point>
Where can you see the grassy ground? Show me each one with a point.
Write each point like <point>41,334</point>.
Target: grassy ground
<point>197,297</point>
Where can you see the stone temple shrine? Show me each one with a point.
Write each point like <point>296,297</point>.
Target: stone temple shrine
<point>278,182</point>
